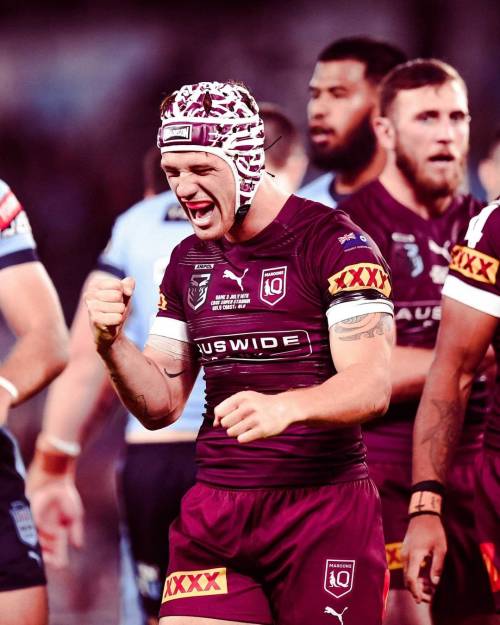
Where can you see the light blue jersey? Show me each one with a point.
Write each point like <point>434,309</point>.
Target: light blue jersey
<point>319,190</point>
<point>140,246</point>
<point>16,241</point>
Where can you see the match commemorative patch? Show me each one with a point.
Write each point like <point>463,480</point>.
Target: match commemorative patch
<point>339,577</point>
<point>359,277</point>
<point>184,584</point>
<point>474,265</point>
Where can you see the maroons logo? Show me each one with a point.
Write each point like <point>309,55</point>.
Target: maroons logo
<point>339,577</point>
<point>198,285</point>
<point>273,285</point>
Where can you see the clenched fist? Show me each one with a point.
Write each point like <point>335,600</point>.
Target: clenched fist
<point>108,302</point>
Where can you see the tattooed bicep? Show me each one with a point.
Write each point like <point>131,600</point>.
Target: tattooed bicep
<point>365,326</point>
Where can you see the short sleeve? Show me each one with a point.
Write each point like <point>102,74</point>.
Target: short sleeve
<point>474,276</point>
<point>17,244</point>
<point>353,276</point>
<point>170,320</point>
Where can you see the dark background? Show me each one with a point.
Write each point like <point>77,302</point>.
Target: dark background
<point>80,86</point>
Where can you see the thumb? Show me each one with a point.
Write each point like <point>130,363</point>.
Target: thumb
<point>128,285</point>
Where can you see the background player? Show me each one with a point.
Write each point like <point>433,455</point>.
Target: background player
<point>471,313</point>
<point>229,278</point>
<point>30,307</point>
<point>489,168</point>
<point>140,246</point>
<point>342,103</point>
<point>415,213</point>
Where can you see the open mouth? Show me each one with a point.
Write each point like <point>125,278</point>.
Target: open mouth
<point>200,212</point>
<point>319,134</point>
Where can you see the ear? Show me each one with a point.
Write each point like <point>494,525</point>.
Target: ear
<point>385,132</point>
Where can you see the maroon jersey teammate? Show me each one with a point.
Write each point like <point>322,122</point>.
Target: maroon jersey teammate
<point>415,214</point>
<point>294,334</point>
<point>471,313</point>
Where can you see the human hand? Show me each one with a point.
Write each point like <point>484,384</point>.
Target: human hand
<point>108,302</point>
<point>425,540</point>
<point>249,416</point>
<point>58,513</point>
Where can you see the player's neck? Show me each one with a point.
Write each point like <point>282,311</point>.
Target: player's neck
<point>405,193</point>
<point>266,205</point>
<point>347,182</point>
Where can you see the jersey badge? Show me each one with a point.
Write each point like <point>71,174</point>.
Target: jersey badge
<point>339,577</point>
<point>198,285</point>
<point>359,277</point>
<point>474,265</point>
<point>25,527</point>
<point>352,241</point>
<point>273,285</point>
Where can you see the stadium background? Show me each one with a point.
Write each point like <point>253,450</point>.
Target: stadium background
<point>80,86</point>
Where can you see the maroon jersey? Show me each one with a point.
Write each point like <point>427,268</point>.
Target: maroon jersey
<point>259,314</point>
<point>418,252</point>
<point>474,280</point>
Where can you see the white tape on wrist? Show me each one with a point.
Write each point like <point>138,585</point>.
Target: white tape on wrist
<point>9,387</point>
<point>69,448</point>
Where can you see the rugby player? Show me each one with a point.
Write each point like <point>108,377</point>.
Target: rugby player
<point>415,213</point>
<point>31,308</point>
<point>342,103</point>
<point>489,168</point>
<point>283,523</point>
<point>471,313</point>
<point>140,246</point>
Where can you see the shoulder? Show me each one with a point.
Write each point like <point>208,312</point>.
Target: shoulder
<point>484,229</point>
<point>160,207</point>
<point>319,190</point>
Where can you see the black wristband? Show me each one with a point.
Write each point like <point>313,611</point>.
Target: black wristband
<point>421,512</point>
<point>431,486</point>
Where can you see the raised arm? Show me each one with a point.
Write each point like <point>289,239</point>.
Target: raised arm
<point>154,385</point>
<point>463,339</point>
<point>361,350</point>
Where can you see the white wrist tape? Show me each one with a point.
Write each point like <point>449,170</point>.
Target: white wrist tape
<point>69,448</point>
<point>9,387</point>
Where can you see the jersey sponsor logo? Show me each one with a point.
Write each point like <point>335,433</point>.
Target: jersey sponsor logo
<point>339,615</point>
<point>198,285</point>
<point>232,276</point>
<point>184,584</point>
<point>19,225</point>
<point>359,277</point>
<point>289,344</point>
<point>419,313</point>
<point>393,556</point>
<point>176,132</point>
<point>273,285</point>
<point>9,209</point>
<point>488,553</point>
<point>438,273</point>
<point>400,237</point>
<point>339,577</point>
<point>23,521</point>
<point>162,303</point>
<point>474,265</point>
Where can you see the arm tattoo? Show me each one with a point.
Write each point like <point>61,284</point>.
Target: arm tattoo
<point>364,326</point>
<point>443,436</point>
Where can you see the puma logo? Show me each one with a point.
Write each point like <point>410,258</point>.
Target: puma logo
<point>331,611</point>
<point>229,274</point>
<point>441,251</point>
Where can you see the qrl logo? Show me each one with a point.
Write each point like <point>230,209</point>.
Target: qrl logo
<point>339,576</point>
<point>273,285</point>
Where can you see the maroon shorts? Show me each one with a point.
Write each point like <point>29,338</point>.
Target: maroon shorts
<point>278,556</point>
<point>463,589</point>
<point>488,516</point>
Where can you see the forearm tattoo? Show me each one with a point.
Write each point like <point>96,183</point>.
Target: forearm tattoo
<point>443,436</point>
<point>365,326</point>
<point>181,352</point>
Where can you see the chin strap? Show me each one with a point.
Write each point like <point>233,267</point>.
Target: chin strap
<point>241,212</point>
